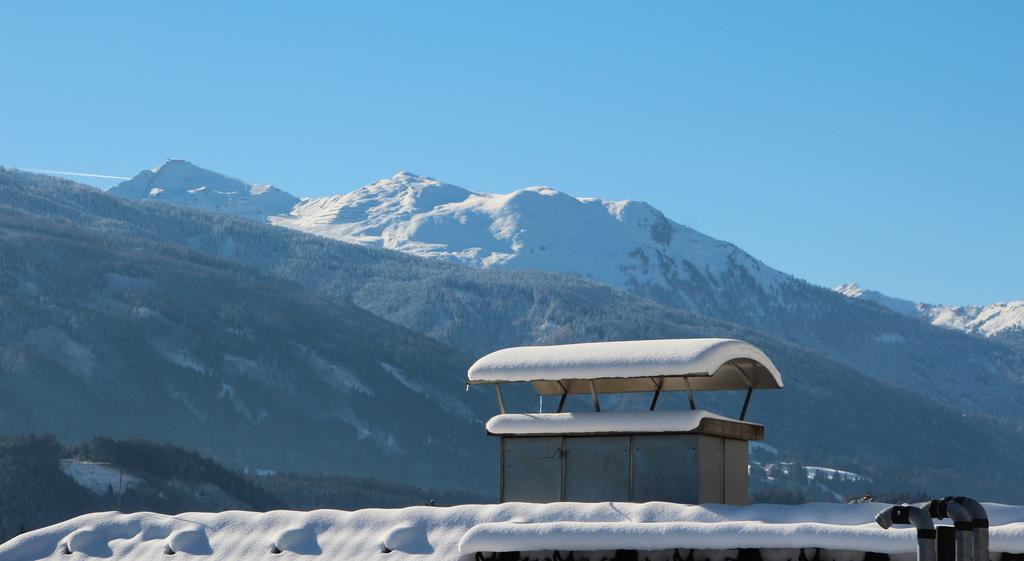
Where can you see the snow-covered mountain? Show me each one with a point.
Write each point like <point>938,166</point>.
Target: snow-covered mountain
<point>621,243</point>
<point>633,246</point>
<point>853,290</point>
<point>628,244</point>
<point>183,183</point>
<point>1002,319</point>
<point>991,320</point>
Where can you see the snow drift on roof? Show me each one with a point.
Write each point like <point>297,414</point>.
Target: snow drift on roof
<point>609,422</point>
<point>594,536</point>
<point>427,533</point>
<point>717,364</point>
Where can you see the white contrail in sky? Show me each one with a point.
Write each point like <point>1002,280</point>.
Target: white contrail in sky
<point>77,174</point>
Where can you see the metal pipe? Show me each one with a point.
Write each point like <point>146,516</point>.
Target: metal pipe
<point>750,390</point>
<point>501,398</point>
<point>979,525</point>
<point>746,403</point>
<point>593,395</point>
<point>561,402</point>
<point>689,393</point>
<point>942,508</point>
<point>945,543</point>
<point>657,392</point>
<point>907,514</point>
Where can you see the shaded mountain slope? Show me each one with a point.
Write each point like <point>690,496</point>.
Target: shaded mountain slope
<point>103,333</point>
<point>43,481</point>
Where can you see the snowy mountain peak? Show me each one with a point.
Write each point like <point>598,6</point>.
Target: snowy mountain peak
<point>406,175</point>
<point>627,244</point>
<point>173,163</point>
<point>622,243</point>
<point>1003,318</point>
<point>362,215</point>
<point>854,290</point>
<point>183,183</point>
<point>850,290</point>
<point>415,191</point>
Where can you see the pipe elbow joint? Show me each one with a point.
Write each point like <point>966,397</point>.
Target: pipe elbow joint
<point>920,519</point>
<point>979,517</point>
<point>884,518</point>
<point>905,514</point>
<point>948,508</point>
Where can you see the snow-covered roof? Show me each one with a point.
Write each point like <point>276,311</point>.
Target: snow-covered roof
<point>612,422</point>
<point>630,366</point>
<point>451,533</point>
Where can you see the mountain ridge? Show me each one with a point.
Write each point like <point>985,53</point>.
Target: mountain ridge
<point>410,213</point>
<point>530,228</point>
<point>1001,320</point>
<point>429,218</point>
<point>634,247</point>
<point>181,182</point>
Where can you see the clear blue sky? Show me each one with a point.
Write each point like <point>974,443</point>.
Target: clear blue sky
<point>879,142</point>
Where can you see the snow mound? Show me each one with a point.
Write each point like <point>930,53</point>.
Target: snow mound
<point>188,540</point>
<point>298,539</point>
<point>422,533</point>
<point>711,359</point>
<point>597,536</point>
<point>606,422</point>
<point>87,540</point>
<point>408,538</point>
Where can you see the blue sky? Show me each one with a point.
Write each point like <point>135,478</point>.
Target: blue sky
<point>878,142</point>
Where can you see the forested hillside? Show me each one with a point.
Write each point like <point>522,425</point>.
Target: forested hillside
<point>43,481</point>
<point>107,333</point>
